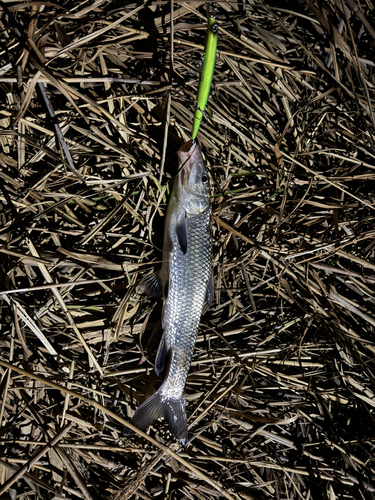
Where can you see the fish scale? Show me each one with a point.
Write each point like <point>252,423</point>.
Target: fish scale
<point>190,273</point>
<point>186,283</point>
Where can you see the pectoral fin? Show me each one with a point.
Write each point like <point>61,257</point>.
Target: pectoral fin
<point>150,285</point>
<point>210,290</point>
<point>181,232</point>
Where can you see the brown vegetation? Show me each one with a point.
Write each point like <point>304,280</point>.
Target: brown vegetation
<point>96,97</point>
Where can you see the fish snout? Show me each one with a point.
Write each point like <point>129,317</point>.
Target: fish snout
<point>188,154</point>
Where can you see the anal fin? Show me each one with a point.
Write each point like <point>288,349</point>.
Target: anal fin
<point>161,356</point>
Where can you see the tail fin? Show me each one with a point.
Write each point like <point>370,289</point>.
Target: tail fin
<point>175,414</point>
<point>155,407</point>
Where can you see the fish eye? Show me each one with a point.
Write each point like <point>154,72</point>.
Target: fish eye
<point>204,178</point>
<point>215,28</point>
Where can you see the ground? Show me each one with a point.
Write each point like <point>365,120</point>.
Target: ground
<point>96,98</point>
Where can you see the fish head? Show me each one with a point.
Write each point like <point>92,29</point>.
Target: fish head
<point>193,181</point>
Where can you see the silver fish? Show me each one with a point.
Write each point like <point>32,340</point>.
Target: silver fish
<point>186,283</point>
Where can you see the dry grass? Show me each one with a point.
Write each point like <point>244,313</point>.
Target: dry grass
<point>96,98</point>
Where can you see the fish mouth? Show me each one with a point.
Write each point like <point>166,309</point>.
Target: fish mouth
<point>186,159</point>
<point>187,153</point>
<point>185,148</point>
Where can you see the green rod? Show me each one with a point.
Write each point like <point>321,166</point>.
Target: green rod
<point>207,72</point>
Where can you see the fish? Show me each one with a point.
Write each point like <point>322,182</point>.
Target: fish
<point>186,283</point>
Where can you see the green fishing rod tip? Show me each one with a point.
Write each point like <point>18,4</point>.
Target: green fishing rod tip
<point>207,72</point>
